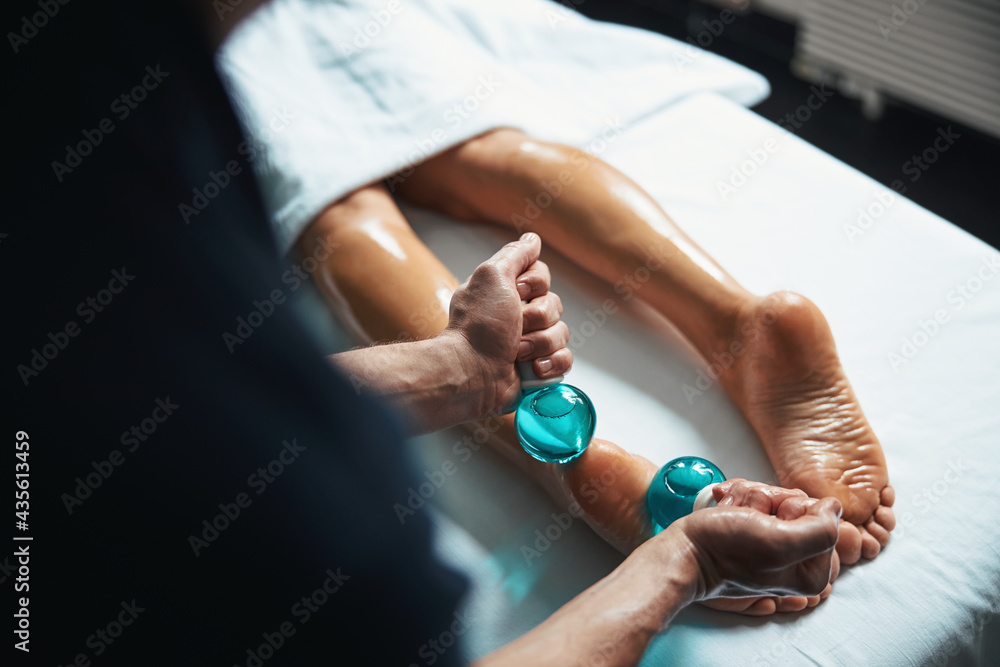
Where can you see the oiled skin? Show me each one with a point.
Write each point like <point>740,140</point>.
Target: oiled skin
<point>787,379</point>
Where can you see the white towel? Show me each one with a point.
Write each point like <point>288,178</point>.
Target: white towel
<point>336,95</point>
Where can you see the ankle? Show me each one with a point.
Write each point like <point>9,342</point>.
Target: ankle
<point>733,326</point>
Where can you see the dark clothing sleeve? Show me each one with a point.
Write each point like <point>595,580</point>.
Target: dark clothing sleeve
<point>204,488</point>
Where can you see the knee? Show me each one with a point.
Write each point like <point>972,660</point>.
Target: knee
<point>371,202</point>
<point>341,222</point>
<point>512,149</point>
<point>499,139</point>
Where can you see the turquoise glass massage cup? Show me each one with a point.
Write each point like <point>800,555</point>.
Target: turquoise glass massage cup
<point>555,423</point>
<point>682,486</point>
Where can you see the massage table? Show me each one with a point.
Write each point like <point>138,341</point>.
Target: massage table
<point>914,305</point>
<point>929,383</point>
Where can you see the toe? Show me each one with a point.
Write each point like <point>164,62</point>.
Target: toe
<point>791,603</point>
<point>880,534</point>
<point>888,496</point>
<point>885,517</point>
<point>762,607</point>
<point>869,545</point>
<point>749,606</point>
<point>733,605</point>
<point>815,600</point>
<point>858,505</point>
<point>849,543</point>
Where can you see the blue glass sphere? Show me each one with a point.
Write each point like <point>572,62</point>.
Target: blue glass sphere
<point>676,485</point>
<point>555,423</point>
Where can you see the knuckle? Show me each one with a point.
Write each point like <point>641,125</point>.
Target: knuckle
<point>546,313</point>
<point>562,333</point>
<point>558,303</point>
<point>485,272</point>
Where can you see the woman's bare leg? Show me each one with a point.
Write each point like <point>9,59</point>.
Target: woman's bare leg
<point>387,285</point>
<point>777,356</point>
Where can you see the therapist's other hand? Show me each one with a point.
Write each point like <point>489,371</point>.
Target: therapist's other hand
<point>739,492</point>
<point>745,552</point>
<point>494,329</point>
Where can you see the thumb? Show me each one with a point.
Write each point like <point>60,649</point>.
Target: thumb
<point>515,257</point>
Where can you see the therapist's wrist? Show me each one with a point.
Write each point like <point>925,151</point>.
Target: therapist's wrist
<point>672,560</point>
<point>484,387</point>
<point>466,391</point>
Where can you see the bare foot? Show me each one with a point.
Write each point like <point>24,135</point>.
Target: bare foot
<point>786,377</point>
<point>610,485</point>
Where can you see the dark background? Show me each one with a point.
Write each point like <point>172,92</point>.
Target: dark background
<point>960,187</point>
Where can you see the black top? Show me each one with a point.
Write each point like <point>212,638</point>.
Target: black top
<point>152,414</point>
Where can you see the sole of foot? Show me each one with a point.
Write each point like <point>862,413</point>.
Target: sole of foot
<point>788,381</point>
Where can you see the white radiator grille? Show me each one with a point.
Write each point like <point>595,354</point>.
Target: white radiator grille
<point>942,55</point>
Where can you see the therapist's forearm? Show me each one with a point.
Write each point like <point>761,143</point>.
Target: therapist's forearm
<point>432,381</point>
<point>612,622</point>
<point>385,284</point>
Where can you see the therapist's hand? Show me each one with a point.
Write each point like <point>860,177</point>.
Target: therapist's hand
<point>494,329</point>
<point>739,492</point>
<point>744,552</point>
<point>722,551</point>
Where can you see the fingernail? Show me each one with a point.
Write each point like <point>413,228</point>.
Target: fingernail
<point>545,365</point>
<point>523,290</point>
<point>524,347</point>
<point>526,236</point>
